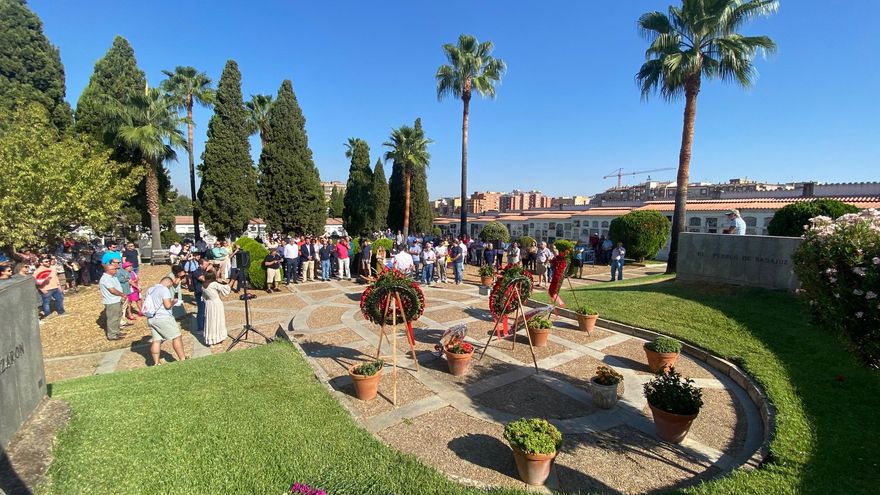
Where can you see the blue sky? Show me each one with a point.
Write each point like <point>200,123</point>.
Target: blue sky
<point>568,110</point>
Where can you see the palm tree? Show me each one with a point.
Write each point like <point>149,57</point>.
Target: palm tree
<point>185,87</point>
<point>697,40</point>
<point>471,67</point>
<point>258,115</point>
<point>409,148</point>
<point>148,127</point>
<point>352,144</point>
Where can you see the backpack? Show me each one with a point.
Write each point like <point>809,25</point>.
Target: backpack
<point>148,307</point>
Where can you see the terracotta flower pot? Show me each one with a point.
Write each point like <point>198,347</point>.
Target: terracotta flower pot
<point>459,364</point>
<point>671,427</point>
<point>587,323</point>
<point>365,387</point>
<point>533,468</point>
<point>487,281</point>
<point>660,360</point>
<point>604,396</point>
<point>539,336</point>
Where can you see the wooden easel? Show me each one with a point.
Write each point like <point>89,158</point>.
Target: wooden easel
<point>392,304</point>
<point>519,316</point>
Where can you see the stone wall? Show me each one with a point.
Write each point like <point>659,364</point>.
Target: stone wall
<point>22,377</point>
<point>751,260</point>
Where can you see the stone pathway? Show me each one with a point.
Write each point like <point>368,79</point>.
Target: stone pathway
<point>456,423</point>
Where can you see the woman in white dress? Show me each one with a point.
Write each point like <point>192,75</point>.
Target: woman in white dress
<point>215,315</point>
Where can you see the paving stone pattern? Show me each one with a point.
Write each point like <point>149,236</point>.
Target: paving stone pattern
<point>462,418</point>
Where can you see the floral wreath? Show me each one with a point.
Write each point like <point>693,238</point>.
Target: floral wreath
<point>374,300</point>
<point>511,277</point>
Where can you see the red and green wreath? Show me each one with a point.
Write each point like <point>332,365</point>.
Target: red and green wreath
<point>374,300</point>
<point>503,291</point>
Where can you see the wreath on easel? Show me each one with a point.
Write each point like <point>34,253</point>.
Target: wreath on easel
<point>503,291</point>
<point>375,300</point>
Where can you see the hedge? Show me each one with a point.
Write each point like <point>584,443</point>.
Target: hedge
<point>258,252</point>
<point>642,233</point>
<point>494,232</point>
<point>790,220</point>
<point>526,241</point>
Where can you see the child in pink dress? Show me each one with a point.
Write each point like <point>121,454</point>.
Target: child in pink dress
<point>134,298</point>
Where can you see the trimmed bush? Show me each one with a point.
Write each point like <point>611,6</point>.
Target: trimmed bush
<point>383,242</point>
<point>642,233</point>
<point>838,265</point>
<point>494,232</point>
<point>256,272</point>
<point>526,241</point>
<point>791,220</point>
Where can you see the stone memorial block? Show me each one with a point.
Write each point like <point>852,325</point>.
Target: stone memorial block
<point>22,376</point>
<point>750,260</point>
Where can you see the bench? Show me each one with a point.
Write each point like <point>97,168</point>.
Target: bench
<point>159,256</point>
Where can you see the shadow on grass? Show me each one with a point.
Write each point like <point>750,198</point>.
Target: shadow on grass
<point>837,413</point>
<point>10,481</point>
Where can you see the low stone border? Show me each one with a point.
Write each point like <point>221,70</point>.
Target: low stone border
<point>755,393</point>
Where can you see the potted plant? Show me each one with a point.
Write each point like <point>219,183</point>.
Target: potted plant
<point>674,403</point>
<point>487,275</point>
<point>605,386</point>
<point>458,357</point>
<point>539,330</point>
<point>587,317</point>
<point>366,378</point>
<point>662,353</point>
<point>534,443</point>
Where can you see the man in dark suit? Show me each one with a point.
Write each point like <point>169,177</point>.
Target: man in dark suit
<point>307,256</point>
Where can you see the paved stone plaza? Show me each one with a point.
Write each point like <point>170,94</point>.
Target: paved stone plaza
<point>456,423</point>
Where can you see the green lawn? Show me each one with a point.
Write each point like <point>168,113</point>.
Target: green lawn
<point>827,430</point>
<point>251,421</point>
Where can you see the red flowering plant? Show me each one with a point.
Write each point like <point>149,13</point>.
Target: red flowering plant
<point>502,299</point>
<point>460,347</point>
<point>304,489</point>
<point>375,300</point>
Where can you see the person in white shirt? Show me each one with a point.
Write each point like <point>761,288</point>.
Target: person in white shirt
<point>157,308</point>
<point>291,260</point>
<point>403,261</point>
<point>543,257</point>
<point>174,252</point>
<point>429,257</point>
<point>440,252</point>
<point>617,255</point>
<point>513,254</point>
<point>737,224</point>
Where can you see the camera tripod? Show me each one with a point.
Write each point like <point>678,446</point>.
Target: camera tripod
<point>243,335</point>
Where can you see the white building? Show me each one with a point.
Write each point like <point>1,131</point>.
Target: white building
<point>707,216</point>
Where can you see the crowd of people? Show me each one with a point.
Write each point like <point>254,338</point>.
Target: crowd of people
<point>210,272</point>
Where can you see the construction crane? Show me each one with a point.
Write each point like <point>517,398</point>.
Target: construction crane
<point>619,173</point>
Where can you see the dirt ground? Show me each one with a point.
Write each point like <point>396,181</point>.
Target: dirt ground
<point>81,330</point>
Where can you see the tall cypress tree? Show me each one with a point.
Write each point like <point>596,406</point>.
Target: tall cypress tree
<point>116,75</point>
<point>396,197</point>
<point>379,198</point>
<point>421,217</point>
<point>30,67</point>
<point>290,187</point>
<point>357,213</point>
<point>229,179</point>
<point>336,203</point>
